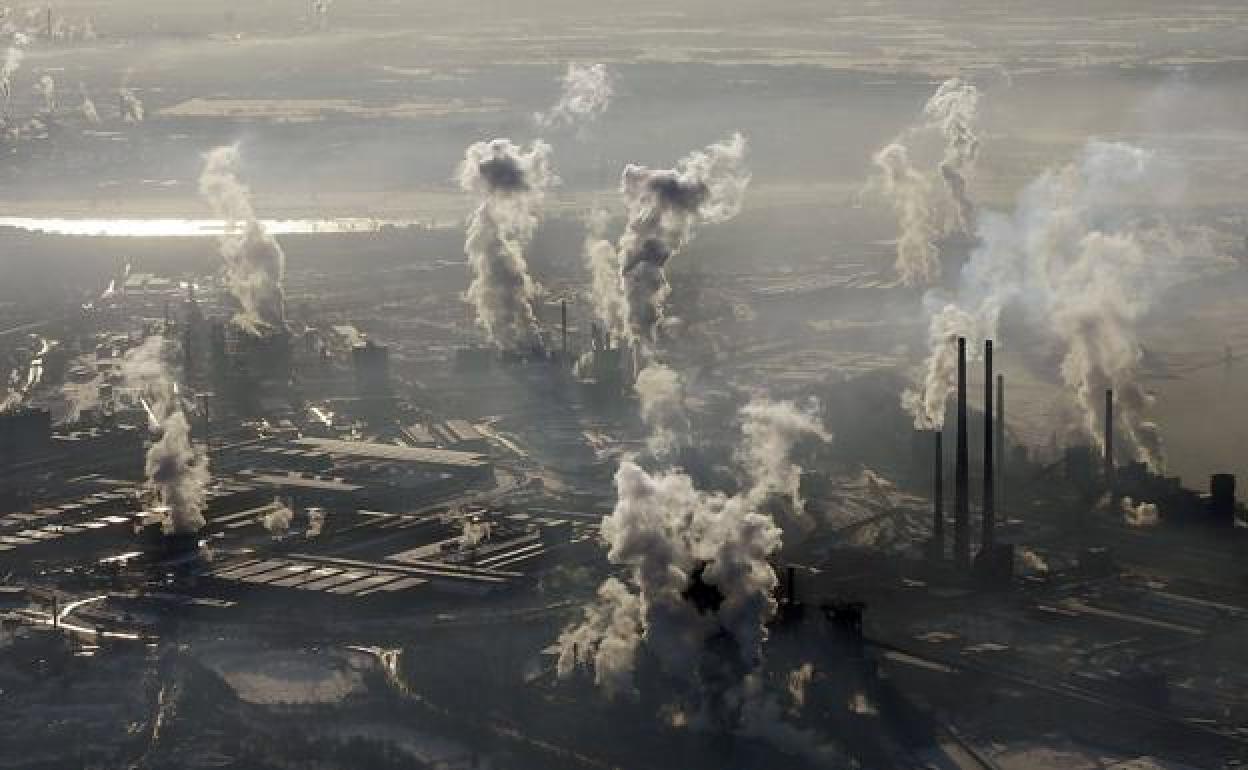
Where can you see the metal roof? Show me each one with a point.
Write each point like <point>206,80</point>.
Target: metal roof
<point>402,454</point>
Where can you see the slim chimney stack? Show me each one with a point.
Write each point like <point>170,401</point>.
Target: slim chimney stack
<point>989,520</point>
<point>961,489</point>
<point>1109,440</point>
<point>999,443</point>
<point>938,497</point>
<point>563,312</point>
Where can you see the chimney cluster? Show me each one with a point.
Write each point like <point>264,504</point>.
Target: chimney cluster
<point>994,456</point>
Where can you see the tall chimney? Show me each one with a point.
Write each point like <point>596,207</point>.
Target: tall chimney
<point>989,519</point>
<point>938,497</point>
<point>563,311</point>
<point>999,444</point>
<point>1109,440</point>
<point>961,480</point>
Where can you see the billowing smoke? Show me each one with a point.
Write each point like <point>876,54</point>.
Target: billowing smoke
<point>89,113</point>
<point>604,269</point>
<point>130,106</point>
<point>666,532</point>
<point>177,471</point>
<point>585,96</point>
<point>697,569</point>
<point>510,184</point>
<point>46,89</point>
<point>770,432</point>
<point>664,207</point>
<point>316,522</point>
<point>951,113</point>
<point>799,681</point>
<point>320,13</point>
<point>254,262</point>
<point>661,395</point>
<point>277,519</point>
<point>910,193</point>
<point>954,110</point>
<point>473,531</point>
<point>8,68</point>
<point>926,401</point>
<point>1139,515</point>
<point>1032,562</point>
<point>1083,271</point>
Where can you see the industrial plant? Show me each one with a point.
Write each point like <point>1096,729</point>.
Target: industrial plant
<point>707,386</point>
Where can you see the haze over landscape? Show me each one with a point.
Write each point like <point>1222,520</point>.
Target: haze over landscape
<point>542,384</point>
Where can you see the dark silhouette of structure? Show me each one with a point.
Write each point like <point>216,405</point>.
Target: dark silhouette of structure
<point>961,481</point>
<point>989,519</point>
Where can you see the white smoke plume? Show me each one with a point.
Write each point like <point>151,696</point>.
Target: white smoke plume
<point>510,184</point>
<point>1083,271</point>
<point>770,431</point>
<point>130,106</point>
<point>673,539</point>
<point>1139,515</point>
<point>8,68</point>
<point>799,681</point>
<point>664,207</point>
<point>954,110</point>
<point>661,394</point>
<point>46,89</point>
<point>926,402</point>
<point>320,13</point>
<point>1033,563</point>
<point>663,530</point>
<point>316,522</point>
<point>82,397</point>
<point>606,640</point>
<point>951,113</point>
<point>89,113</point>
<point>177,470</point>
<point>604,269</point>
<point>909,192</point>
<point>585,96</point>
<point>473,531</point>
<point>255,265</point>
<point>277,519</point>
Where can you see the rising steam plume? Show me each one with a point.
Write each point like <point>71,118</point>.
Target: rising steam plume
<point>510,184</point>
<point>604,269</point>
<point>1082,271</point>
<point>951,113</point>
<point>585,96</point>
<point>661,396</point>
<point>666,534</point>
<point>664,207</point>
<point>177,471</point>
<point>8,68</point>
<point>954,111</point>
<point>130,106</point>
<point>909,193</point>
<point>46,88</point>
<point>254,262</point>
<point>89,112</point>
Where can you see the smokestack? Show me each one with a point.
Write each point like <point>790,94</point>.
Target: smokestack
<point>961,500</point>
<point>999,442</point>
<point>938,497</point>
<point>563,312</point>
<point>1109,440</point>
<point>990,513</point>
